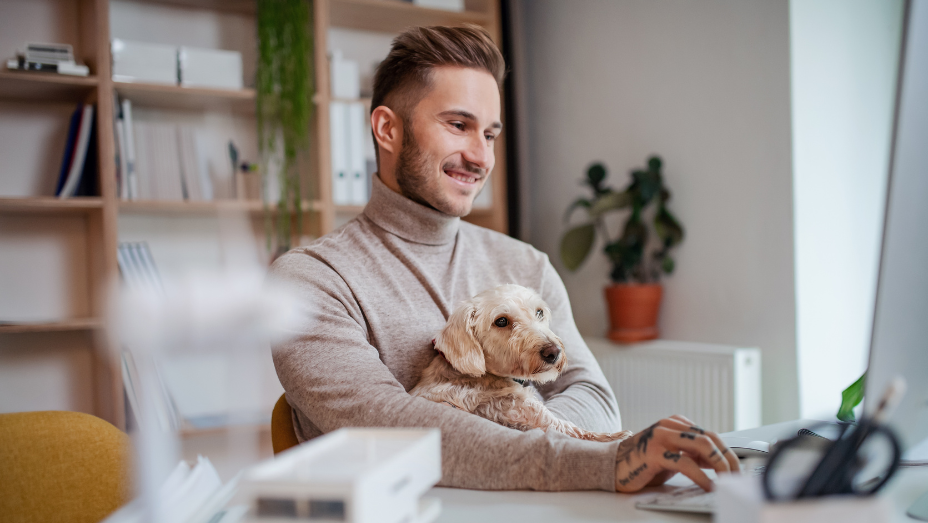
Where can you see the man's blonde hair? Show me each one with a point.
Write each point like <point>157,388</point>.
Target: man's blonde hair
<point>404,77</point>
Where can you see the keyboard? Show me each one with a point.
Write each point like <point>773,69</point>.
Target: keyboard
<point>681,499</point>
<point>691,499</point>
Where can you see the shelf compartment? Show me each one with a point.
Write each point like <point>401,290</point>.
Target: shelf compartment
<point>393,16</point>
<point>166,207</point>
<point>51,87</point>
<point>247,7</point>
<point>192,432</point>
<point>77,324</point>
<point>177,97</point>
<point>50,204</point>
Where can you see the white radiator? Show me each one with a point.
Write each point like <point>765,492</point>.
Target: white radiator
<point>716,386</point>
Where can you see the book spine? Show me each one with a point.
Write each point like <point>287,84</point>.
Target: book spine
<point>341,194</point>
<point>73,129</point>
<point>132,181</point>
<point>77,164</point>
<point>359,185</point>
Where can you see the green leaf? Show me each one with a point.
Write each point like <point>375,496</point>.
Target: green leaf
<point>654,163</point>
<point>595,175</point>
<point>667,227</point>
<point>647,184</point>
<point>576,245</point>
<point>610,202</point>
<point>667,264</point>
<point>581,202</point>
<point>850,398</point>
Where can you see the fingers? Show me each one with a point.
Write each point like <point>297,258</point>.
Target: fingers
<point>683,424</point>
<point>683,464</point>
<point>699,447</point>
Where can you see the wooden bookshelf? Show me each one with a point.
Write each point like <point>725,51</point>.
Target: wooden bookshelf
<point>177,97</point>
<point>79,324</point>
<point>192,432</point>
<point>50,204</point>
<point>392,16</point>
<point>86,25</point>
<point>36,86</point>
<point>163,207</point>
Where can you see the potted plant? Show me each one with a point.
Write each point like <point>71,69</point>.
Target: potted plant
<point>284,108</point>
<point>638,258</point>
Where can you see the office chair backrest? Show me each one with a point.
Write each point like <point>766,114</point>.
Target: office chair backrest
<point>61,466</point>
<point>282,434</point>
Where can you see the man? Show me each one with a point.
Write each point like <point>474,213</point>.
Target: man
<point>383,285</point>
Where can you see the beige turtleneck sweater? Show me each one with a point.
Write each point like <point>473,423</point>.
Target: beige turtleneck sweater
<point>379,289</point>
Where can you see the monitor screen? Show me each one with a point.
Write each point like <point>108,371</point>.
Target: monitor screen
<point>899,344</point>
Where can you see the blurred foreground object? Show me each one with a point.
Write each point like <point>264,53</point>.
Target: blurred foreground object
<point>352,475</point>
<point>232,310</point>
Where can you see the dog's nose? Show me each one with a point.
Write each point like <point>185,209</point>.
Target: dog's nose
<point>550,353</point>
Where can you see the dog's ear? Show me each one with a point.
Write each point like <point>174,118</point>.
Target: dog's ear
<point>457,341</point>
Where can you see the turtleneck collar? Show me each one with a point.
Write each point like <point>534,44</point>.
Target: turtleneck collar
<point>407,219</point>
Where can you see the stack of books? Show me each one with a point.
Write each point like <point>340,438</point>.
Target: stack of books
<point>52,58</point>
<point>159,161</point>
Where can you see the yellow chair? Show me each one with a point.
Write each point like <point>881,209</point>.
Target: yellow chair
<point>61,466</point>
<point>282,434</point>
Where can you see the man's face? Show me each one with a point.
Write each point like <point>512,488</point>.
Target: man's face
<point>447,151</point>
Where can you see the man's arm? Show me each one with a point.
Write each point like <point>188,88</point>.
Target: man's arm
<point>581,393</point>
<point>336,379</point>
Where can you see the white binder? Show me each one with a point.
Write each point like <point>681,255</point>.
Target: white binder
<point>359,182</point>
<point>338,134</point>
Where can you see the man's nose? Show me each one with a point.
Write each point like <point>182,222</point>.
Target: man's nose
<point>479,153</point>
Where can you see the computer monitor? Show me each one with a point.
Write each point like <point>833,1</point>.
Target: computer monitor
<point>899,343</point>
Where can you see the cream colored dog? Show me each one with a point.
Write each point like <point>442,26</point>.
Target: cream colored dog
<point>491,345</point>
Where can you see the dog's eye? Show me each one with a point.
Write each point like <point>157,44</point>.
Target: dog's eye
<point>540,313</point>
<point>501,321</point>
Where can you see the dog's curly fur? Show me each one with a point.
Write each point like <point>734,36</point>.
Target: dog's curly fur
<point>490,341</point>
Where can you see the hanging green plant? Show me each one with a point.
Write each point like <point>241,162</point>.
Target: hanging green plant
<point>284,107</point>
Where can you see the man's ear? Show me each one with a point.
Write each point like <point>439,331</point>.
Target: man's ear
<point>457,341</point>
<point>387,129</point>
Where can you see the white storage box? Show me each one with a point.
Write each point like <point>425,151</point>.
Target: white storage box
<point>350,475</point>
<point>144,62</point>
<point>211,68</point>
<point>345,76</point>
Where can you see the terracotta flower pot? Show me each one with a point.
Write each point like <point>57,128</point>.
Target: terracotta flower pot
<point>633,311</point>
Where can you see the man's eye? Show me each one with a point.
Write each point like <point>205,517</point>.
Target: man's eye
<point>491,137</point>
<point>458,125</point>
<point>501,322</point>
<point>540,313</point>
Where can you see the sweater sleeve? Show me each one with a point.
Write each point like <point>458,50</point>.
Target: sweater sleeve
<point>334,378</point>
<point>581,393</point>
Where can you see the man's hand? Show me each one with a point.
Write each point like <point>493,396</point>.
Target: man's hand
<point>671,445</point>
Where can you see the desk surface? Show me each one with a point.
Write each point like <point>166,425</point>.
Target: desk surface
<point>470,506</point>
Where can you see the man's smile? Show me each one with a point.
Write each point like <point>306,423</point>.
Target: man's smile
<point>463,177</point>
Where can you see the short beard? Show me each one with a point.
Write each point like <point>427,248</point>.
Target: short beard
<point>416,180</point>
<point>412,167</point>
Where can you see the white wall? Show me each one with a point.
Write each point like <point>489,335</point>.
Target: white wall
<point>844,63</point>
<point>706,85</point>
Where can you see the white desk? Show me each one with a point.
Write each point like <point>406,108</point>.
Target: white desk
<point>478,506</point>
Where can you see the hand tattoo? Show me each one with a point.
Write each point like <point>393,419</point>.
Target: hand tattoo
<point>646,436</point>
<point>633,474</point>
<point>640,445</point>
<point>672,456</point>
<point>687,435</point>
<point>694,428</point>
